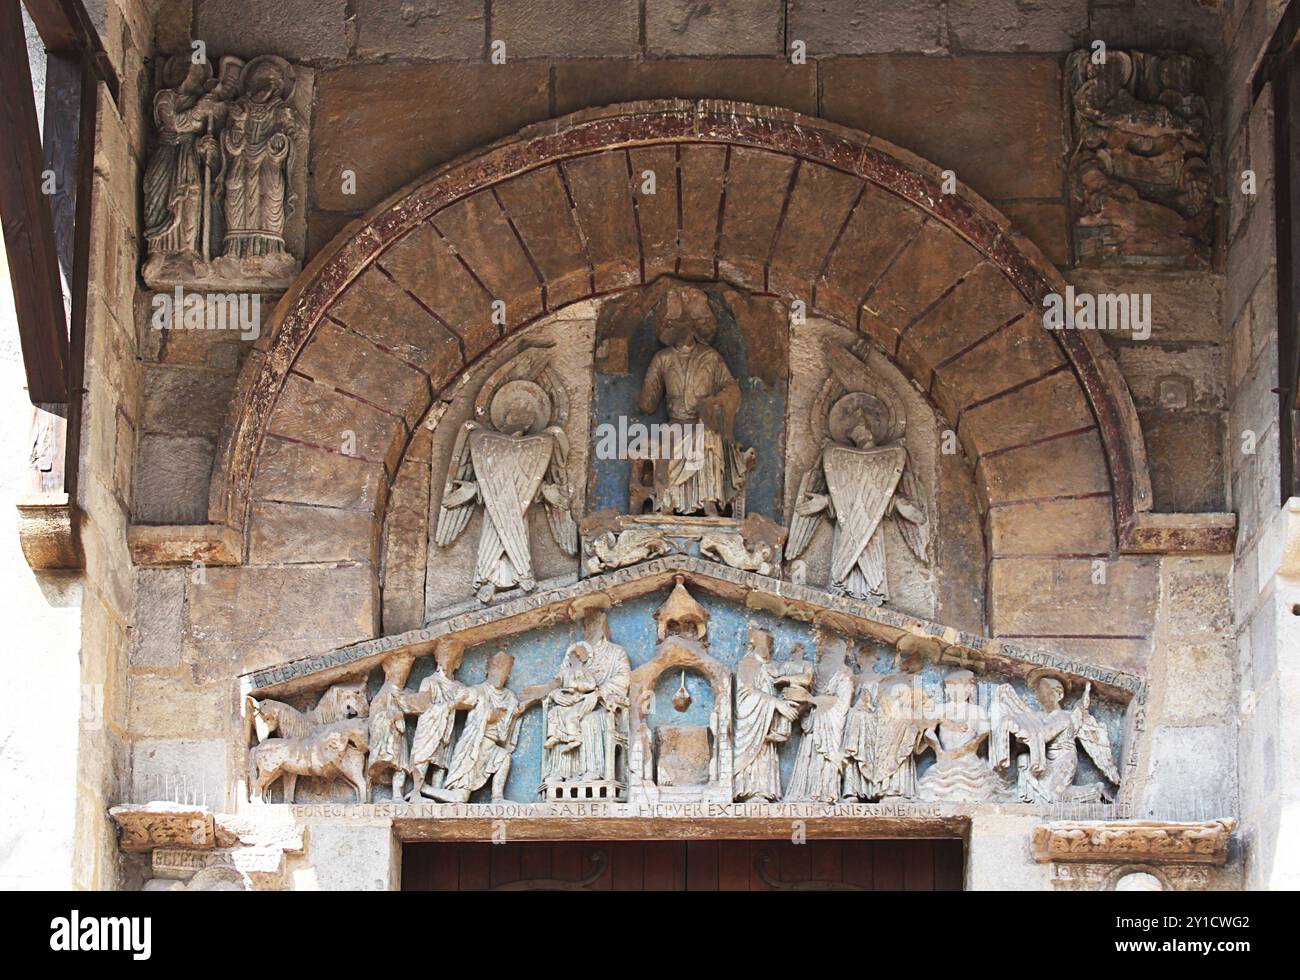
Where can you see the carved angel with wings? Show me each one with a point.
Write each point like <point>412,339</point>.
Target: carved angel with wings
<point>509,457</point>
<point>860,477</point>
<point>1046,772</point>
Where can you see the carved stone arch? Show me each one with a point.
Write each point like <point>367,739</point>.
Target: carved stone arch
<point>400,304</point>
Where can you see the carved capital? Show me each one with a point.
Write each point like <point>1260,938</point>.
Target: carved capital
<point>1134,841</point>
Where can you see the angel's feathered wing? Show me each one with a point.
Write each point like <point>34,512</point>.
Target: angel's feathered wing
<point>915,533</point>
<point>510,471</point>
<point>1096,742</point>
<point>803,526</point>
<point>560,518</point>
<point>1009,715</point>
<point>861,484</point>
<point>452,520</point>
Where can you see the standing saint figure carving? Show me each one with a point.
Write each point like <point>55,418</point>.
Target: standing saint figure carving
<point>861,476</point>
<point>390,753</point>
<point>177,190</point>
<point>706,471</point>
<point>256,144</point>
<point>437,700</point>
<point>769,698</point>
<point>820,762</point>
<point>489,737</point>
<point>881,740</point>
<point>587,703</point>
<point>1045,773</point>
<point>513,454</point>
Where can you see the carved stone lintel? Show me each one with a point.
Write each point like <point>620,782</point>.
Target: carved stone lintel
<point>142,827</point>
<point>1204,842</point>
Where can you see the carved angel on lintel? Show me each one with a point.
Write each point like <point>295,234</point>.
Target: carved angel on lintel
<point>510,456</point>
<point>1046,771</point>
<point>860,478</point>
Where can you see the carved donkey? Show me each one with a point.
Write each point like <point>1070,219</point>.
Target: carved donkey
<point>328,741</point>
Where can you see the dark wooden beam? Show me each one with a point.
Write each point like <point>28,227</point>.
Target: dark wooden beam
<point>1286,171</point>
<point>26,219</point>
<point>66,28</point>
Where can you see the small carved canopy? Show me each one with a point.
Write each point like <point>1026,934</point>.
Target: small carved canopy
<point>682,614</point>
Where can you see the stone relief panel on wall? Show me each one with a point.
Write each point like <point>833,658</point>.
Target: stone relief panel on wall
<point>511,456</point>
<point>226,175</point>
<point>1141,188</point>
<point>669,699</point>
<point>861,477</point>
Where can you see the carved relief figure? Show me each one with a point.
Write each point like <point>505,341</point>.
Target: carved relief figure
<point>437,700</point>
<point>881,740</point>
<point>390,755</point>
<point>327,742</point>
<point>861,477</point>
<point>819,765</point>
<point>178,191</point>
<point>489,737</point>
<point>1046,771</point>
<point>692,381</point>
<point>959,771</point>
<point>511,458</point>
<point>1140,179</point>
<point>586,710</point>
<point>766,709</point>
<point>256,142</point>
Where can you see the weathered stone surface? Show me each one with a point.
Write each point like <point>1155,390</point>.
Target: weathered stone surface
<point>1185,457</point>
<point>406,541</point>
<point>481,234</point>
<point>425,265</point>
<point>866,26</point>
<point>701,173</point>
<point>1069,466</point>
<point>932,263</point>
<point>940,108</point>
<point>818,207</point>
<point>657,212</point>
<point>296,473</point>
<point>300,533</point>
<point>1049,407</point>
<point>601,187</point>
<point>171,479</point>
<point>537,204</point>
<point>429,29</point>
<point>1173,379</point>
<point>380,122</point>
<point>878,229</point>
<point>584,84</point>
<point>339,359</point>
<point>186,401</point>
<point>983,301</point>
<point>184,544</point>
<point>1082,526</point>
<point>1045,223</point>
<point>757,184</point>
<point>351,856</point>
<point>321,417</point>
<point>1185,307</point>
<point>1016,354</point>
<point>1199,682</point>
<point>171,706</point>
<point>159,610</point>
<point>304,30</point>
<point>250,604</point>
<point>566,28</point>
<point>1017,25</point>
<point>376,307</point>
<point>170,768</point>
<point>1065,597</point>
<point>1193,769</point>
<point>716,27</point>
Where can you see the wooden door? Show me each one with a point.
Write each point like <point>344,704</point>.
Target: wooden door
<point>818,865</point>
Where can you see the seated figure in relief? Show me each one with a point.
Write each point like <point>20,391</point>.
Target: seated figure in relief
<point>959,771</point>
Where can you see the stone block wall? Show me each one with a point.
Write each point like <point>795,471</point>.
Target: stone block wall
<point>1266,617</point>
<point>403,88</point>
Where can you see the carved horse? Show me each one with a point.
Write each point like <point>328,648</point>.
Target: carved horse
<point>327,741</point>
